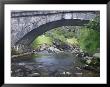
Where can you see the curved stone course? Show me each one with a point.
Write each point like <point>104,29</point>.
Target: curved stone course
<point>26,25</point>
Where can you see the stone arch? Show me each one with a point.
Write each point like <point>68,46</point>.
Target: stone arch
<point>30,36</point>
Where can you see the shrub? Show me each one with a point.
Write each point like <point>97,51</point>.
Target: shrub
<point>89,40</point>
<point>94,24</point>
<point>72,41</point>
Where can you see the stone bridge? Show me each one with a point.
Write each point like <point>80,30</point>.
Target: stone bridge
<point>27,25</point>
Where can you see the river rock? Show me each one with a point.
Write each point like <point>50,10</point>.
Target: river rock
<point>87,57</point>
<point>78,74</point>
<point>78,68</point>
<point>88,67</point>
<point>40,66</point>
<point>65,74</point>
<point>29,67</point>
<point>22,64</point>
<point>88,61</point>
<point>35,75</point>
<point>53,49</point>
<point>96,55</point>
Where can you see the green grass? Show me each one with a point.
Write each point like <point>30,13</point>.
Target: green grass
<point>41,40</point>
<point>72,41</point>
<point>89,40</point>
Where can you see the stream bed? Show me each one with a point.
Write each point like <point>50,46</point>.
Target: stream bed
<point>44,64</point>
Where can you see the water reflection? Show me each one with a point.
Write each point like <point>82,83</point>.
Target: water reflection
<point>41,65</point>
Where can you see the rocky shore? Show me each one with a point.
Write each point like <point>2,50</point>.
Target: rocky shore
<point>91,63</point>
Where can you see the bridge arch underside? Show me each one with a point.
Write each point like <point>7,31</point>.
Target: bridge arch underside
<point>30,36</point>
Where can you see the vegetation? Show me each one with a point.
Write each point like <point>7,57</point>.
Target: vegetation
<point>86,37</point>
<point>72,41</point>
<point>89,40</point>
<point>40,41</point>
<point>90,36</point>
<point>59,35</point>
<point>94,24</point>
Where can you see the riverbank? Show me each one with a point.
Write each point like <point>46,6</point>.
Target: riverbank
<point>55,65</point>
<point>20,55</point>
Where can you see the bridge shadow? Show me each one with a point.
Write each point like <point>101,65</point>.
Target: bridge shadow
<point>30,36</point>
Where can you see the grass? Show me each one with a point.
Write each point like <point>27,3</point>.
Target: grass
<point>72,41</point>
<point>41,40</point>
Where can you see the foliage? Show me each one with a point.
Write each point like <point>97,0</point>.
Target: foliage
<point>72,41</point>
<point>63,35</point>
<point>89,40</point>
<point>41,40</point>
<point>87,37</point>
<point>94,24</point>
<point>61,31</point>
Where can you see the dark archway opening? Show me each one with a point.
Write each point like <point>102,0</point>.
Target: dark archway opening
<point>29,37</point>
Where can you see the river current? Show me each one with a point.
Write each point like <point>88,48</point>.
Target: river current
<point>44,64</point>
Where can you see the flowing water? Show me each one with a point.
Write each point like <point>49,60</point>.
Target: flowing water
<point>63,64</point>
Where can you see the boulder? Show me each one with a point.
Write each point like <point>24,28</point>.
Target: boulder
<point>35,75</point>
<point>88,61</point>
<point>96,55</point>
<point>88,68</point>
<point>65,74</point>
<point>78,68</point>
<point>53,49</point>
<point>78,74</point>
<point>87,57</point>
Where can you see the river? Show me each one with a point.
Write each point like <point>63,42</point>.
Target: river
<point>44,64</point>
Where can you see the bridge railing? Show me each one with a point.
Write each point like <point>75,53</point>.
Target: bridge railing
<point>15,14</point>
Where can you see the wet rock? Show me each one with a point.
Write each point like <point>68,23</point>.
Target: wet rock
<point>21,64</point>
<point>34,75</point>
<point>95,62</point>
<point>87,57</point>
<point>75,51</point>
<point>68,73</point>
<point>53,50</point>
<point>18,70</point>
<point>96,55</point>
<point>88,61</point>
<point>40,66</point>
<point>80,54</point>
<point>89,67</point>
<point>78,74</point>
<point>29,67</point>
<point>65,74</point>
<point>34,51</point>
<point>78,68</point>
<point>44,52</point>
<point>86,65</point>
